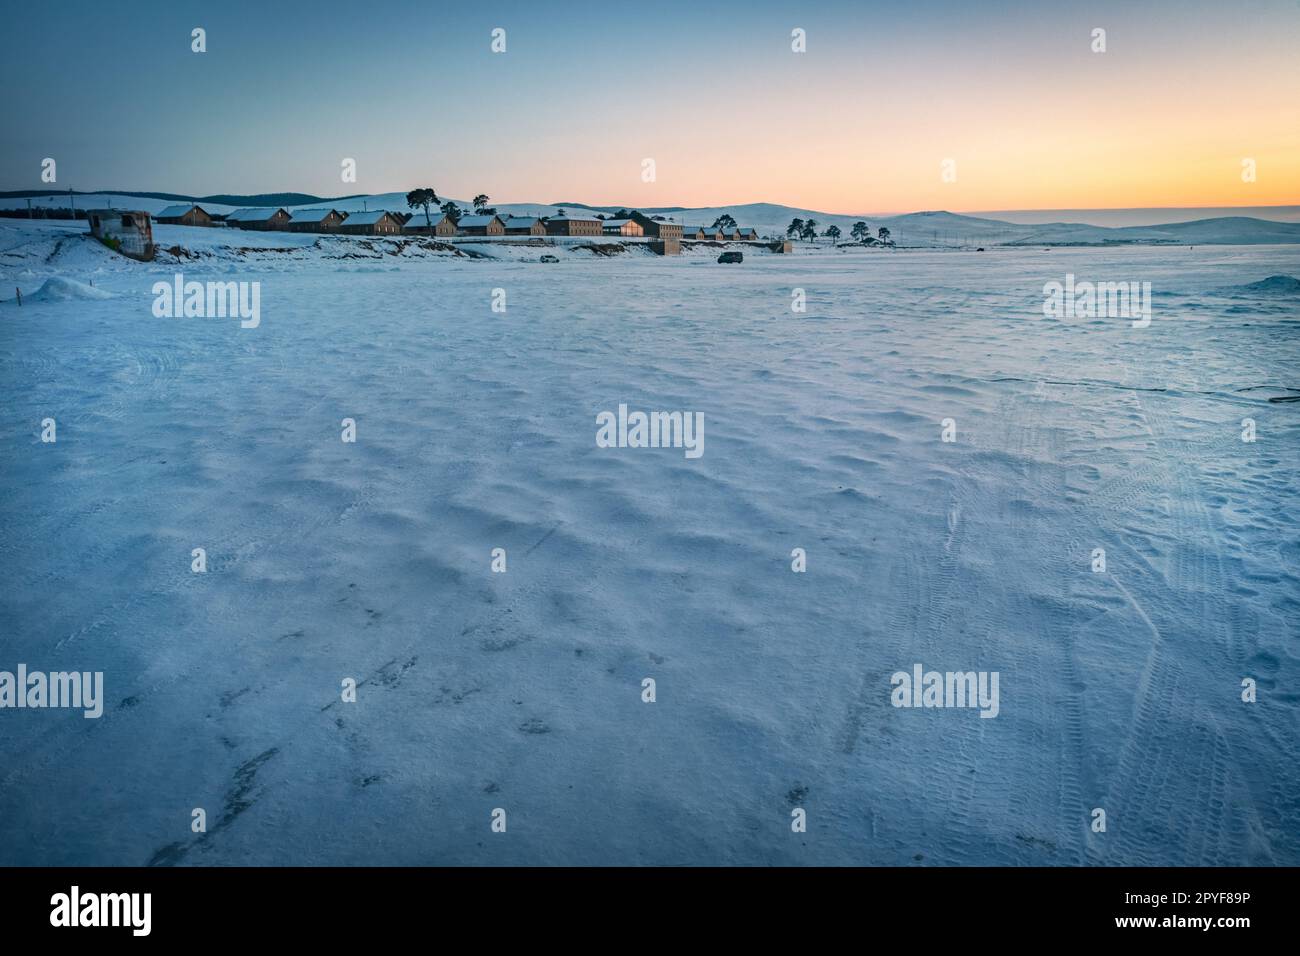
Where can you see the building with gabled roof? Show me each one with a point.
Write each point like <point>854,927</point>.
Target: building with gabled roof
<point>480,226</point>
<point>622,227</point>
<point>315,220</point>
<point>418,226</point>
<point>525,226</point>
<point>375,222</point>
<point>184,214</point>
<point>260,218</point>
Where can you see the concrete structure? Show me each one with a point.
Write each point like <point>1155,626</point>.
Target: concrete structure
<point>262,219</point>
<point>572,226</point>
<point>480,226</point>
<point>376,222</point>
<point>184,214</point>
<point>129,232</point>
<point>315,220</point>
<point>622,227</point>
<point>525,226</point>
<point>418,226</point>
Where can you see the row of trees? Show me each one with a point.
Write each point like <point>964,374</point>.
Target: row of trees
<point>807,229</point>
<point>426,197</point>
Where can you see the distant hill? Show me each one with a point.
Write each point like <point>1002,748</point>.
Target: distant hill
<point>260,199</point>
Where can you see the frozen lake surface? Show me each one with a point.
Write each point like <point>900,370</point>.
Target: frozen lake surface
<point>476,429</point>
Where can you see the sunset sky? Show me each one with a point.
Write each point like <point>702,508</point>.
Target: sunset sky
<point>861,122</point>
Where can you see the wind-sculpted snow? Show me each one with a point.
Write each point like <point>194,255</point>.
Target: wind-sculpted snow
<point>476,429</point>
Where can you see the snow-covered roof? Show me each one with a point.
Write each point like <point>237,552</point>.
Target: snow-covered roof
<point>366,218</point>
<point>475,221</point>
<point>618,222</point>
<point>253,215</point>
<point>311,215</point>
<point>574,219</point>
<point>518,222</point>
<point>176,211</point>
<point>419,220</point>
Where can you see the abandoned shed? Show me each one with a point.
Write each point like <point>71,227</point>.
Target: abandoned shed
<point>129,232</point>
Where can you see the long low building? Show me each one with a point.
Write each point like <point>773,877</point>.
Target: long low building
<point>376,222</point>
<point>622,227</point>
<point>184,214</point>
<point>525,226</point>
<point>572,226</point>
<point>420,225</point>
<point>316,220</point>
<point>481,226</point>
<point>260,219</point>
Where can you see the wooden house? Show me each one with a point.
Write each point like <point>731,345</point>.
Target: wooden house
<point>376,222</point>
<point>184,214</point>
<point>315,220</point>
<point>261,219</point>
<point>417,225</point>
<point>525,226</point>
<point>658,228</point>
<point>480,226</point>
<point>572,226</point>
<point>622,227</point>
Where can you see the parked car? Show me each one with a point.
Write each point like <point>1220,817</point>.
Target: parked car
<point>732,257</point>
<point>549,259</point>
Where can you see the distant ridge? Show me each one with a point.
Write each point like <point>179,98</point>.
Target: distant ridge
<point>261,199</point>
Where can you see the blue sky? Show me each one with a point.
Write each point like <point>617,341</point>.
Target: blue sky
<point>712,92</point>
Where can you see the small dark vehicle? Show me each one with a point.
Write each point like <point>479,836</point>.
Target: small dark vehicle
<point>732,257</point>
<point>549,259</point>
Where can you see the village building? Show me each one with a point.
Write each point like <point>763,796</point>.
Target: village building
<point>262,219</point>
<point>184,214</point>
<point>480,226</point>
<point>129,232</point>
<point>572,226</point>
<point>658,228</point>
<point>693,232</point>
<point>417,225</point>
<point>622,227</point>
<point>525,226</point>
<point>749,234</point>
<point>315,220</point>
<point>376,222</point>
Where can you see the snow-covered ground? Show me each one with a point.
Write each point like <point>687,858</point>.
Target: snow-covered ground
<point>523,691</point>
